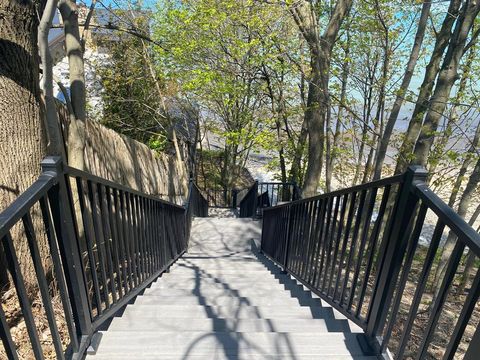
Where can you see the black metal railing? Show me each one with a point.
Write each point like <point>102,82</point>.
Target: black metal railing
<point>106,243</point>
<point>248,205</point>
<point>267,194</point>
<point>274,193</point>
<point>369,252</point>
<point>196,205</point>
<point>221,198</point>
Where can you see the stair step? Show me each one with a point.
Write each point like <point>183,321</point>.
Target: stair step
<point>232,281</point>
<point>218,291</point>
<point>222,356</point>
<point>210,266</point>
<point>227,311</point>
<point>224,301</point>
<point>218,273</point>
<point>284,300</point>
<point>231,285</point>
<point>182,345</point>
<point>220,325</point>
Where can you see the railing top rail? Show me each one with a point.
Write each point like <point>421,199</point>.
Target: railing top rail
<point>397,179</point>
<point>79,173</point>
<point>252,188</point>
<point>449,217</point>
<point>71,200</point>
<point>276,183</point>
<point>191,185</point>
<point>22,204</point>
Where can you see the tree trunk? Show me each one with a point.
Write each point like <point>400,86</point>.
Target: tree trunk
<point>318,102</point>
<point>22,133</point>
<point>74,50</point>
<point>428,83</point>
<point>315,117</point>
<point>469,156</point>
<point>439,148</point>
<point>295,169</point>
<point>336,136</point>
<point>446,78</point>
<point>471,256</point>
<point>397,105</point>
<point>465,201</point>
<point>55,145</point>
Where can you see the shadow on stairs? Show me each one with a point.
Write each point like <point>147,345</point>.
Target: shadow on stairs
<point>225,300</point>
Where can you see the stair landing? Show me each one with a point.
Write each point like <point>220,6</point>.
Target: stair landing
<point>224,300</point>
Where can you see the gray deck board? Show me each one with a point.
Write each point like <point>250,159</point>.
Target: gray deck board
<point>224,300</point>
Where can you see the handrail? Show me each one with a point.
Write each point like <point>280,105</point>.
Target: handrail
<point>377,183</point>
<point>107,243</point>
<point>83,174</point>
<point>451,219</point>
<point>221,198</point>
<point>263,195</point>
<point>248,205</point>
<point>14,212</point>
<point>363,264</point>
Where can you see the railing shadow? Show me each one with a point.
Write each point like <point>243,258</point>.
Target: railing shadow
<point>227,329</point>
<point>303,296</point>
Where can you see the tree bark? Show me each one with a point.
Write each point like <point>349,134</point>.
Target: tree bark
<point>336,136</point>
<point>446,78</point>
<point>22,132</point>
<point>439,147</point>
<point>428,83</point>
<point>55,145</point>
<point>397,105</point>
<point>318,101</point>
<point>471,256</point>
<point>469,157</point>
<point>465,201</point>
<point>295,169</point>
<point>367,109</point>
<point>74,50</point>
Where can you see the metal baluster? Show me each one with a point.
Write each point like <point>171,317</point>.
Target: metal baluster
<point>372,245</point>
<point>120,232</point>
<point>452,266</point>
<point>57,268</point>
<point>331,242</point>
<point>412,246</point>
<point>337,241</point>
<point>361,249</point>
<point>42,284</point>
<point>8,344</point>
<point>351,213</point>
<point>87,225</point>
<point>353,244</point>
<point>112,213</point>
<point>14,268</point>
<point>422,282</point>
<point>104,215</point>
<point>99,238</point>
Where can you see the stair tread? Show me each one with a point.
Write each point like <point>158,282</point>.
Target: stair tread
<point>203,343</point>
<point>222,301</point>
<point>166,324</point>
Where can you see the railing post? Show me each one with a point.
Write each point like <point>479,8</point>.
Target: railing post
<point>255,199</point>
<point>234,198</point>
<point>396,241</point>
<point>296,192</point>
<point>287,238</point>
<point>62,214</point>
